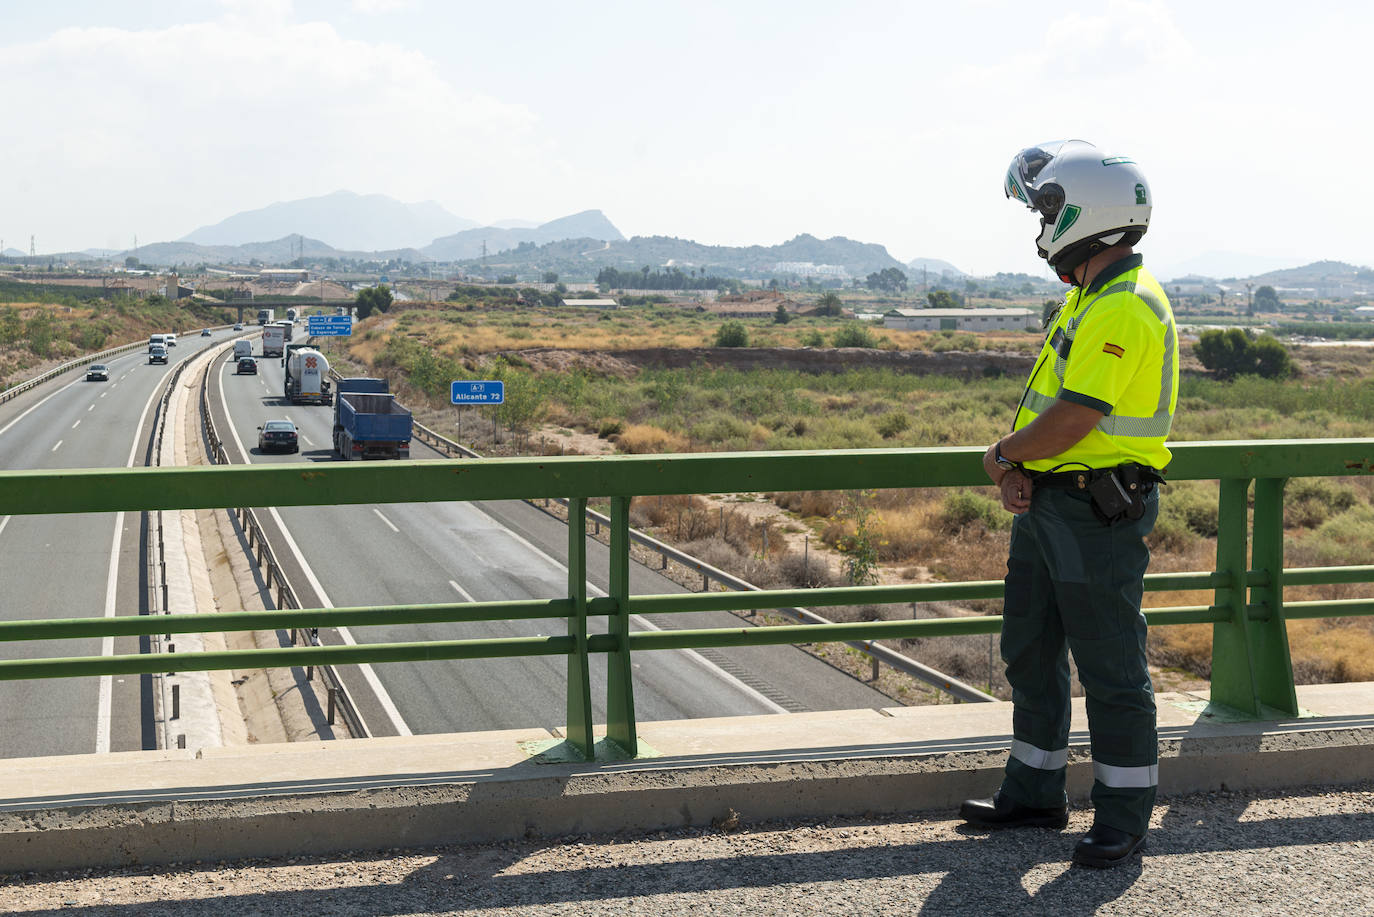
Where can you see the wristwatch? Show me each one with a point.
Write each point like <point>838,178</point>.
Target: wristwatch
<point>1001,460</point>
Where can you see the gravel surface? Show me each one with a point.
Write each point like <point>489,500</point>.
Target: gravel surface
<point>1307,852</point>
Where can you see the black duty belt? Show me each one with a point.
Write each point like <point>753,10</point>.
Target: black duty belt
<point>1082,478</point>
<point>1117,493</point>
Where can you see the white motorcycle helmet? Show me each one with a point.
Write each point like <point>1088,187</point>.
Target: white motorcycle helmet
<point>1087,200</point>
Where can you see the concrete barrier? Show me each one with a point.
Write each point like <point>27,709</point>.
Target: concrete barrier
<point>321,797</point>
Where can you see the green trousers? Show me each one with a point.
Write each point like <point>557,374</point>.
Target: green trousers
<point>1074,583</point>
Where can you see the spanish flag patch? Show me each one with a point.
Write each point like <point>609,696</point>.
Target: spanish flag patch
<point>1114,349</point>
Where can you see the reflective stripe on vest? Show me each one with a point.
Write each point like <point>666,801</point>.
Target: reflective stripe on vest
<point>1038,758</point>
<point>1119,425</point>
<point>1126,777</point>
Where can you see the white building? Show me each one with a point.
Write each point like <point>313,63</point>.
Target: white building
<point>961,320</point>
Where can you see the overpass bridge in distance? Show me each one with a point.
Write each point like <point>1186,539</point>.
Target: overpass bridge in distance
<point>1253,729</point>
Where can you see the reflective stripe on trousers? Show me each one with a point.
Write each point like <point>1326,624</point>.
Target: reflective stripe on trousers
<point>1126,777</point>
<point>1038,758</point>
<point>1112,775</point>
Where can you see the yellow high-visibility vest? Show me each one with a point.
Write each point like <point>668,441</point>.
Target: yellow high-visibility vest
<point>1112,347</point>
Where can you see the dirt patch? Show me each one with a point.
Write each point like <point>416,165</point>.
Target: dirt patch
<point>565,361</point>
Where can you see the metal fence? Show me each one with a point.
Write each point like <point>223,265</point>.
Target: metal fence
<point>1251,669</point>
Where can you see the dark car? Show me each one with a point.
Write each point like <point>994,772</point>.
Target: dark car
<point>238,326</point>
<point>278,434</point>
<point>205,332</point>
<point>246,365</point>
<point>97,372</point>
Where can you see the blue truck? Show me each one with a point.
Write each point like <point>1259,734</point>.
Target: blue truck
<point>368,423</point>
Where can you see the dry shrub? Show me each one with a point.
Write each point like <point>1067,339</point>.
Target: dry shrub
<point>1308,502</point>
<point>798,571</point>
<point>1331,650</point>
<point>658,510</point>
<point>973,554</point>
<point>1182,646</point>
<point>641,439</point>
<point>808,503</point>
<point>724,556</point>
<point>907,533</point>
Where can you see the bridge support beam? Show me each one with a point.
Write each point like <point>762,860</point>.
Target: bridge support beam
<point>620,691</point>
<point>579,678</point>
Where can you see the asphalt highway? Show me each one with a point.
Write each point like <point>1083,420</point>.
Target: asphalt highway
<point>444,552</point>
<point>74,566</point>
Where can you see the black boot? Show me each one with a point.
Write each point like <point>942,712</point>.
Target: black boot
<point>1000,812</point>
<point>1104,846</point>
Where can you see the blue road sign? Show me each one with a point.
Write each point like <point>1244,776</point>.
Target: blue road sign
<point>477,392</point>
<point>327,325</point>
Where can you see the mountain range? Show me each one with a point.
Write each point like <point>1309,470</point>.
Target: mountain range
<point>343,220</point>
<point>577,257</point>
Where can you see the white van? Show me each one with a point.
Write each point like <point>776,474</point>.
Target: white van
<point>243,349</point>
<point>157,339</point>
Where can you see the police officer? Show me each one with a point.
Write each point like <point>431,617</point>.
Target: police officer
<point>1080,470</point>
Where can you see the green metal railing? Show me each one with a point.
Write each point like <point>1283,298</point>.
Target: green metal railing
<point>1251,669</point>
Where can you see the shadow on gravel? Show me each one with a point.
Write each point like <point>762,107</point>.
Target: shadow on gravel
<point>992,873</point>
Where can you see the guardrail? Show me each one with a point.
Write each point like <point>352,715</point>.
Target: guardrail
<point>80,363</point>
<point>1250,663</point>
<point>876,652</point>
<point>260,550</point>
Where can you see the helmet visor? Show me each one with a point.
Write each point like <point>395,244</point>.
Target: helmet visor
<point>1030,179</point>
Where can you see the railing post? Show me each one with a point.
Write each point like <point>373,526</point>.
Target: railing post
<point>620,693</point>
<point>579,675</point>
<point>1269,637</point>
<point>1233,664</point>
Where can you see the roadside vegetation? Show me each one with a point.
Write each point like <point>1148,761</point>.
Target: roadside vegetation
<point>45,328</point>
<point>888,536</point>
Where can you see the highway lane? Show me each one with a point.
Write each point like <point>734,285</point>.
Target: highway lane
<point>387,554</point>
<point>86,565</point>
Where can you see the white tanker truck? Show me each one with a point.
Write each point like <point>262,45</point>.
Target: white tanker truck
<point>307,375</point>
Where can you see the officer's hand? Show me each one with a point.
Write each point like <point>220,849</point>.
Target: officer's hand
<point>1016,492</point>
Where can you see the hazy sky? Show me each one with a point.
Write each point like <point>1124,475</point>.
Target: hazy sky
<point>725,122</point>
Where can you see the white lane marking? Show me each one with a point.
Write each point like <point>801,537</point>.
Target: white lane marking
<point>102,395</point>
<point>105,695</point>
<point>4,522</point>
<point>91,408</point>
<point>39,405</point>
<point>75,425</point>
<point>643,622</point>
<point>55,447</point>
<point>305,439</point>
<point>370,676</point>
<point>467,596</point>
<point>388,522</point>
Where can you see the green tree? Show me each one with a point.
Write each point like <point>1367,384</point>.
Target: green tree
<point>1235,352</point>
<point>732,334</point>
<point>373,299</point>
<point>944,299</point>
<point>1267,300</point>
<point>39,331</point>
<point>860,547</point>
<point>888,280</point>
<point>855,335</point>
<point>829,304</point>
<point>781,316</point>
<point>550,276</point>
<point>813,338</point>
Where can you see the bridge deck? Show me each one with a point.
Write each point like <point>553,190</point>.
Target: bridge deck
<point>321,798</point>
